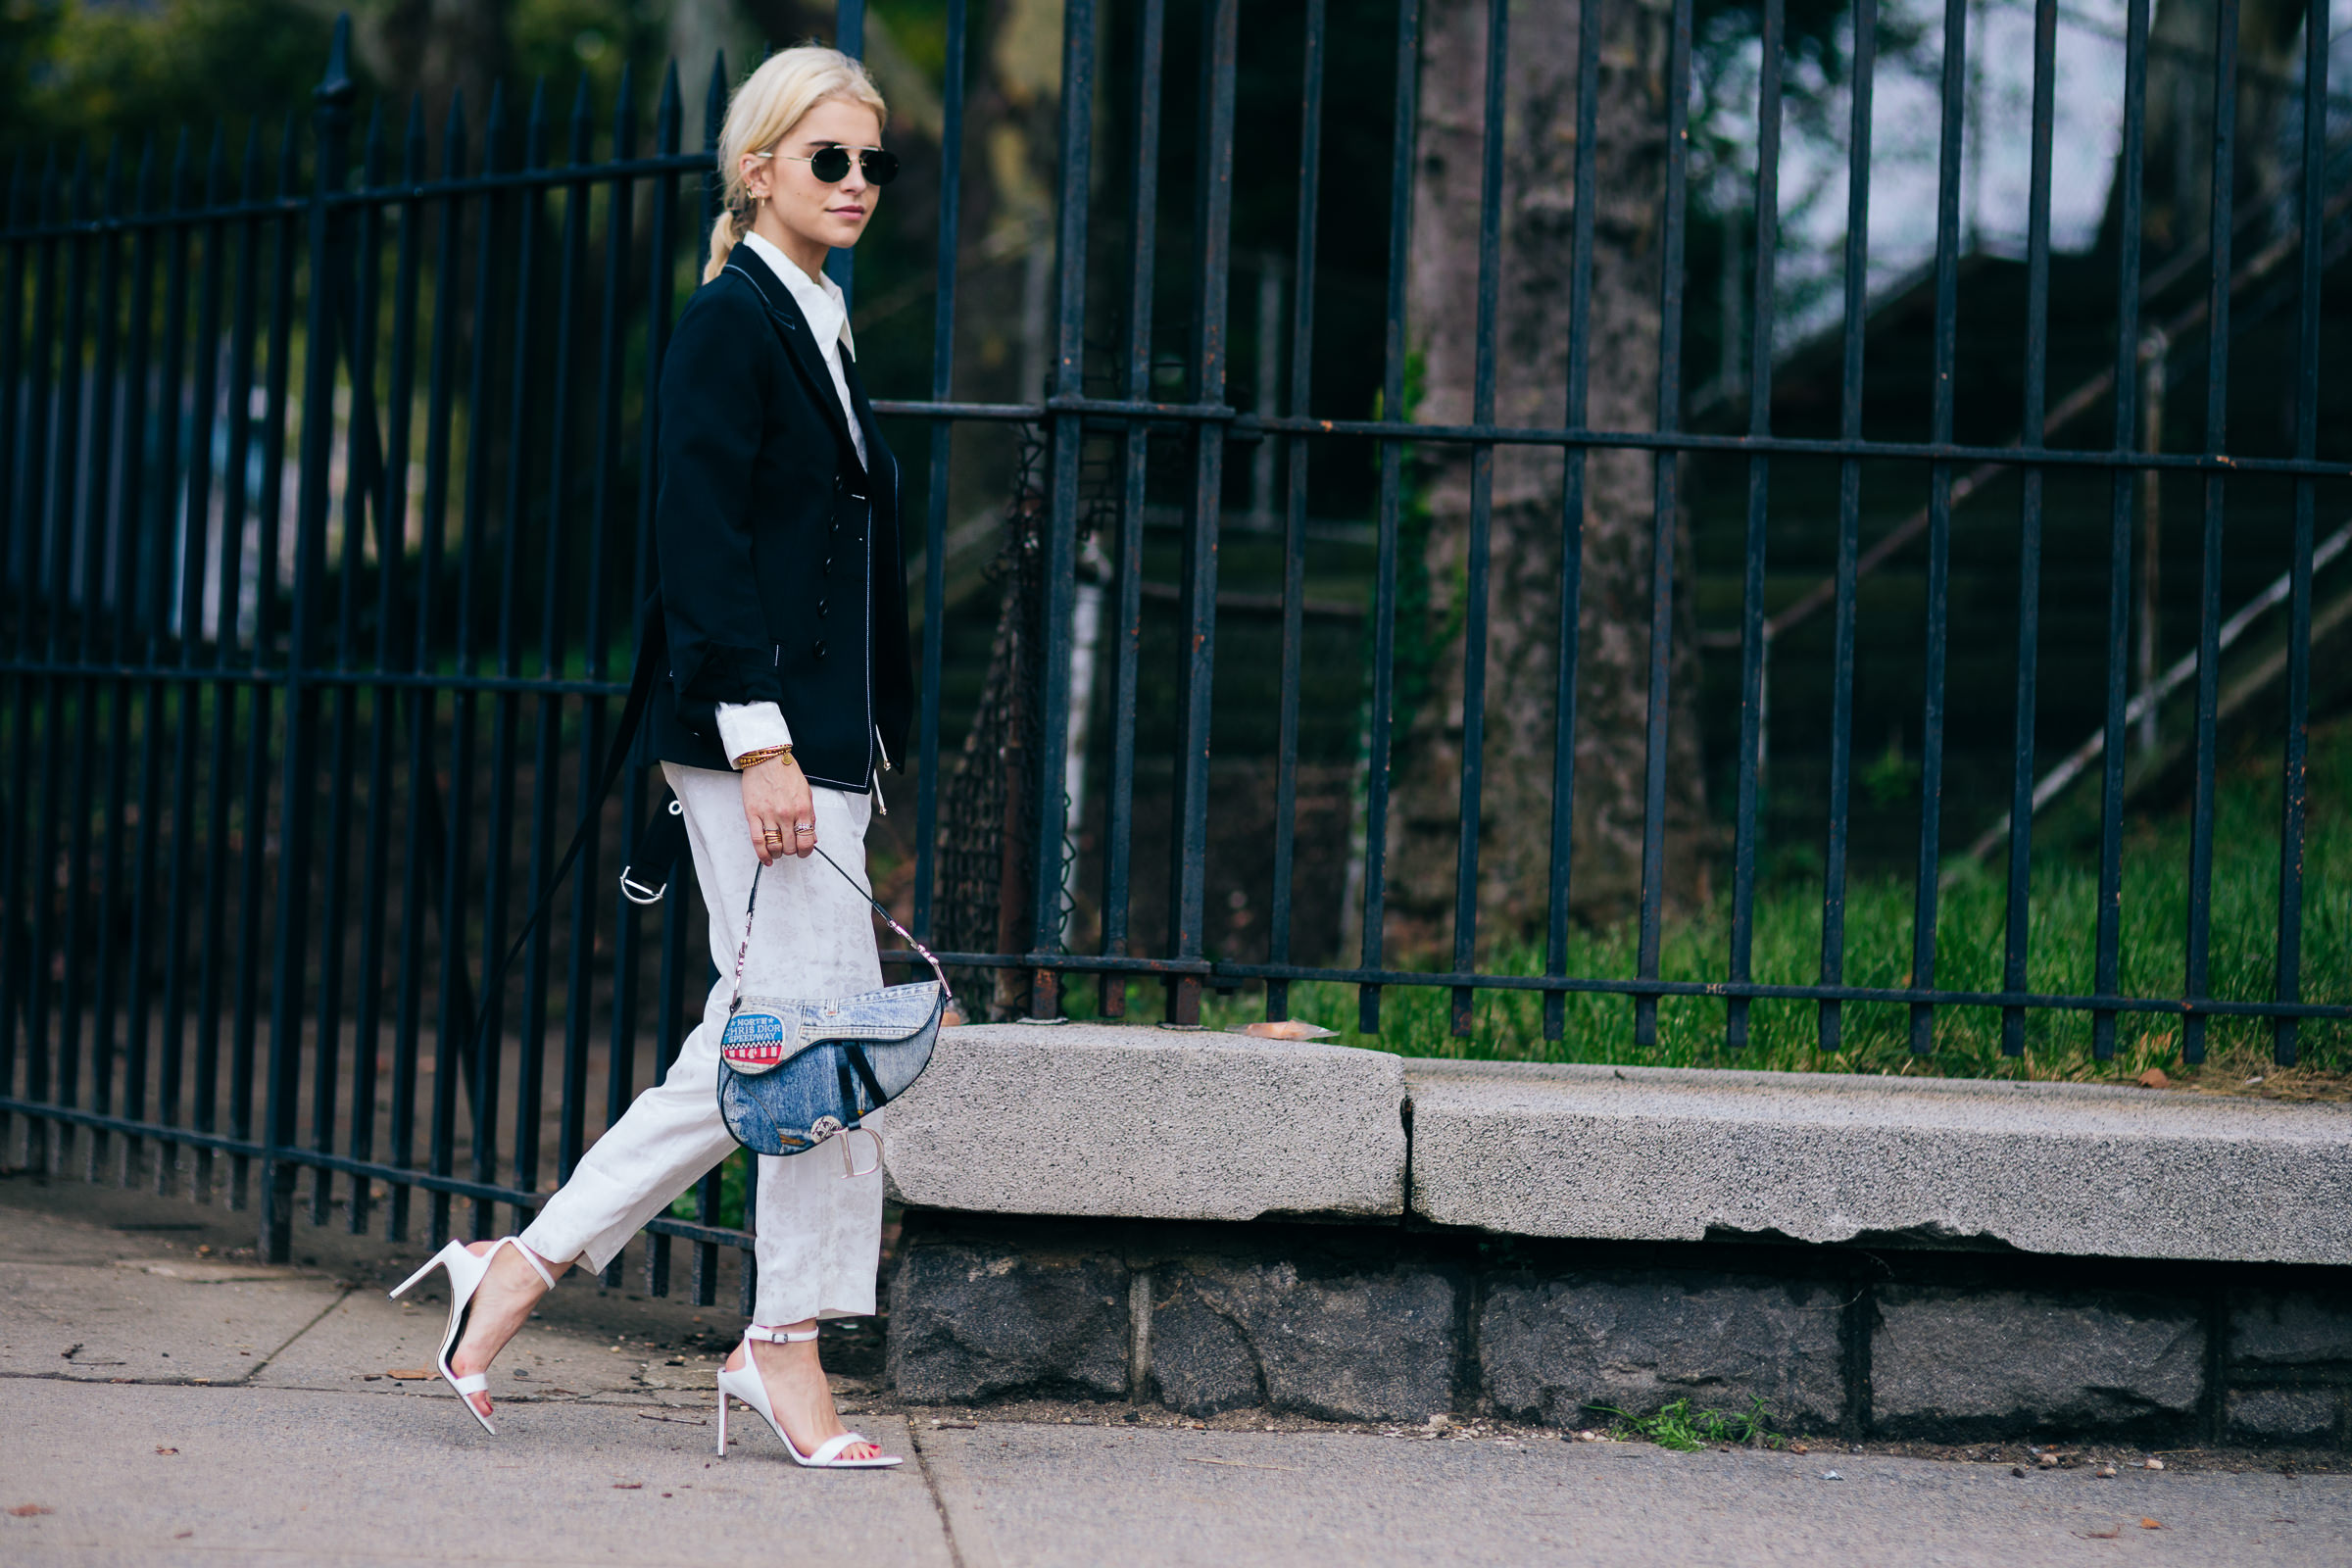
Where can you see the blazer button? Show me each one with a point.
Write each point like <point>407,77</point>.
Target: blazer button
<point>820,610</point>
<point>827,567</point>
<point>819,649</point>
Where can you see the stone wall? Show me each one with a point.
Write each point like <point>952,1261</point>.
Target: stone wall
<point>1395,1322</point>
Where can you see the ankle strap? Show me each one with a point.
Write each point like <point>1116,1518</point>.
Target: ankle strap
<point>528,1256</point>
<point>776,1336</point>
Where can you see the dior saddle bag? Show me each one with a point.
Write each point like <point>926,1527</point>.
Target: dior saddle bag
<point>794,1072</point>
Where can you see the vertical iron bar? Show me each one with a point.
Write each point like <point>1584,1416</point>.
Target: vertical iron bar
<point>65,813</point>
<point>419,845</point>
<point>2106,960</point>
<point>391,540</point>
<point>2209,609</point>
<point>1197,613</point>
<point>253,876</point>
<point>1940,521</point>
<point>1143,241</point>
<point>331,129</point>
<point>660,276</point>
<point>2294,784</point>
<point>1293,539</point>
<point>359,309</point>
<point>193,512</point>
<point>490,1027</point>
<point>1753,649</point>
<point>101,551</point>
<point>1663,527</point>
<point>220,725</point>
<point>943,435</point>
<point>1831,1021</point>
<point>1076,163</point>
<point>1572,515</point>
<point>16,579</point>
<point>1482,510</point>
<point>27,969</point>
<point>457,1019</point>
<point>134,641</point>
<point>1402,137</point>
<point>547,762</point>
<point>2028,543</point>
<point>588,889</point>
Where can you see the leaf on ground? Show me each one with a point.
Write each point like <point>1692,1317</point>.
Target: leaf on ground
<point>410,1374</point>
<point>628,1486</point>
<point>166,1450</point>
<point>2150,1524</point>
<point>2154,1078</point>
<point>2103,1535</point>
<point>26,1510</point>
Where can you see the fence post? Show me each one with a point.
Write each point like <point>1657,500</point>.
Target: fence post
<point>331,123</point>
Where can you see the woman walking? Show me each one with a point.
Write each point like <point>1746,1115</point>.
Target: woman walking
<point>782,630</point>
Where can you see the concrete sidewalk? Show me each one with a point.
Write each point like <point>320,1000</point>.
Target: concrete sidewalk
<point>164,1407</point>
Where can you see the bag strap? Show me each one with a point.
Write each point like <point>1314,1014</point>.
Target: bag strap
<point>752,903</point>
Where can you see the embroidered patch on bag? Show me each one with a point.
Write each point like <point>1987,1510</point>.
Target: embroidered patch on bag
<point>754,1042</point>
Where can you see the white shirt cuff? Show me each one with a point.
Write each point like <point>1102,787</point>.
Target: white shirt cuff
<point>744,727</point>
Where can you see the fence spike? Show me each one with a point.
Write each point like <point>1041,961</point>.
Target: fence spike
<point>453,137</point>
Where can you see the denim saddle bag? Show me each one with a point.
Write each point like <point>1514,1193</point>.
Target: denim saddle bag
<point>794,1072</point>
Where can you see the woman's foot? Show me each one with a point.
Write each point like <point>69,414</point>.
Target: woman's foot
<point>502,1306</point>
<point>798,1393</point>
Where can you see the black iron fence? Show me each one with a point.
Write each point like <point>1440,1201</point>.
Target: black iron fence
<point>326,514</point>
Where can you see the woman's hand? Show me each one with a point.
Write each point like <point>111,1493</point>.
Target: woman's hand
<point>778,807</point>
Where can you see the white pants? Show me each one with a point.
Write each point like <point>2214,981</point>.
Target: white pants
<point>819,1233</point>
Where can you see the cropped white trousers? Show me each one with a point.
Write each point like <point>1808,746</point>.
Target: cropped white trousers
<point>819,1233</point>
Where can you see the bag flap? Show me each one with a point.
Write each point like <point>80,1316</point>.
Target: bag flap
<point>765,1033</point>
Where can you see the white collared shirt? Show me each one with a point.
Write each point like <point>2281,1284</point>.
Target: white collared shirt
<point>746,727</point>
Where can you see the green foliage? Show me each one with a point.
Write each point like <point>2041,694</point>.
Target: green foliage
<point>734,1188</point>
<point>1687,1430</point>
<point>73,71</point>
<point>1971,925</point>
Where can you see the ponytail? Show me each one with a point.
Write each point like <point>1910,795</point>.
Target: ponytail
<point>725,236</point>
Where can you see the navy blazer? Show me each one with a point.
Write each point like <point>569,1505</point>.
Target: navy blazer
<point>782,573</point>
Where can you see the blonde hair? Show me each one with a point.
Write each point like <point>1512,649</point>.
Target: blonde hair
<point>764,108</point>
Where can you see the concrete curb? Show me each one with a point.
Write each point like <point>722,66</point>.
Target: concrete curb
<point>1634,1153</point>
<point>1142,1123</point>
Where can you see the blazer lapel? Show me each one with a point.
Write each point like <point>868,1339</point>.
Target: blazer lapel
<point>876,465</point>
<point>800,343</point>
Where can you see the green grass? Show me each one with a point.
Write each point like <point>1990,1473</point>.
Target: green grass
<point>1679,1427</point>
<point>1970,937</point>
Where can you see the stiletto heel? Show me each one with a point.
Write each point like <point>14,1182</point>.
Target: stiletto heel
<point>744,1384</point>
<point>466,1271</point>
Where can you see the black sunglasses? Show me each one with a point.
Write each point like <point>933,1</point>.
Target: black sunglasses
<point>831,165</point>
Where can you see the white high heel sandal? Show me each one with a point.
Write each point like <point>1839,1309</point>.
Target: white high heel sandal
<point>744,1382</point>
<point>466,1271</point>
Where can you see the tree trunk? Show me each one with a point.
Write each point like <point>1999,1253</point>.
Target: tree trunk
<point>2177,182</point>
<point>1532,342</point>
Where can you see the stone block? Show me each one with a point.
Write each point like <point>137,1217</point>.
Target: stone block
<point>1647,1153</point>
<point>975,1319</point>
<point>1337,1341</point>
<point>1143,1123</point>
<point>2301,1416</point>
<point>2291,1328</point>
<point>1959,1363</point>
<point>1549,1348</point>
